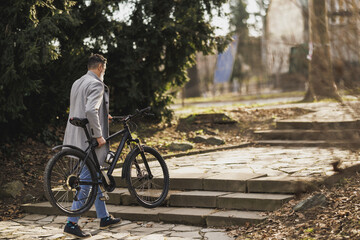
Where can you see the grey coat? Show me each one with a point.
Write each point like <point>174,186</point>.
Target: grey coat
<point>89,98</point>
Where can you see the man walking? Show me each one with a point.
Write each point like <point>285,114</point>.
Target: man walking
<point>89,98</point>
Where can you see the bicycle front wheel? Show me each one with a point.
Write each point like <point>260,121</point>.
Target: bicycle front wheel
<point>69,185</point>
<point>150,188</point>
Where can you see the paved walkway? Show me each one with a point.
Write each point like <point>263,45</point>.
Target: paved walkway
<point>325,111</point>
<point>51,228</point>
<point>274,161</point>
<point>299,162</point>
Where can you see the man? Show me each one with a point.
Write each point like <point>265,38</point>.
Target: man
<point>89,99</point>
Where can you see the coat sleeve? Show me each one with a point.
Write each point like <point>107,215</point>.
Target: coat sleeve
<point>94,98</point>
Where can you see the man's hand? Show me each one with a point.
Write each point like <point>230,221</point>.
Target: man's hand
<point>110,118</point>
<point>101,141</point>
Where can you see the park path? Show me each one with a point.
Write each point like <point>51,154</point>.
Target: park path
<point>278,162</point>
<point>275,162</point>
<point>50,227</point>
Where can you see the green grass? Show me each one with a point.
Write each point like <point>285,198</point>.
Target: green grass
<point>188,110</point>
<point>237,97</point>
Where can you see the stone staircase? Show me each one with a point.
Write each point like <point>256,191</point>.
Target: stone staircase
<point>312,133</point>
<point>213,200</point>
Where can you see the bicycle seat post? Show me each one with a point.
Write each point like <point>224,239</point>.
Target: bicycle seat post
<point>87,134</point>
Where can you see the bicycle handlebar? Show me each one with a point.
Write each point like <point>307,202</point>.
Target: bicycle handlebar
<point>131,116</point>
<point>124,119</point>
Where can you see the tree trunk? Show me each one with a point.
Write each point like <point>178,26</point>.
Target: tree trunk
<point>321,81</point>
<point>193,86</point>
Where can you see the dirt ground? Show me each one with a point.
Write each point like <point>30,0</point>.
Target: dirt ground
<point>234,126</point>
<point>339,218</point>
<point>26,161</point>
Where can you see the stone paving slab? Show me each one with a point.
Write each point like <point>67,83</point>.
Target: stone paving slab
<point>278,184</point>
<point>204,199</point>
<point>116,195</point>
<point>303,163</point>
<point>251,201</point>
<point>192,180</point>
<point>137,212</point>
<point>233,218</point>
<point>231,182</point>
<point>300,163</point>
<point>193,216</point>
<point>189,216</point>
<point>50,227</point>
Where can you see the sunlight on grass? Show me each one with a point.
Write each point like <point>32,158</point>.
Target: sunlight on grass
<point>188,110</point>
<point>238,97</point>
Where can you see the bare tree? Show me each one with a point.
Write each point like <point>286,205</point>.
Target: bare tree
<point>321,81</point>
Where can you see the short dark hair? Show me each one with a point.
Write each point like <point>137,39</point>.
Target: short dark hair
<point>95,59</point>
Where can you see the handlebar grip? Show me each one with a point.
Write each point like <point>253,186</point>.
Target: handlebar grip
<point>94,142</point>
<point>146,109</point>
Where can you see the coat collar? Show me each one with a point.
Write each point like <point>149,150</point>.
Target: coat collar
<point>93,75</point>
<point>97,78</point>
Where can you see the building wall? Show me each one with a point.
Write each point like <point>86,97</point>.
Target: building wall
<point>285,29</point>
<point>344,27</point>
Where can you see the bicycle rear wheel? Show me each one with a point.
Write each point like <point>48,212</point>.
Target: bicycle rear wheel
<point>150,190</point>
<point>68,187</point>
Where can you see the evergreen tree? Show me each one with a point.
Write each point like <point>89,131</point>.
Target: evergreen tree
<point>45,44</point>
<point>28,30</point>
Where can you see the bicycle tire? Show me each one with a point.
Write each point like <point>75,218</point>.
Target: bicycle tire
<point>150,193</point>
<point>62,174</point>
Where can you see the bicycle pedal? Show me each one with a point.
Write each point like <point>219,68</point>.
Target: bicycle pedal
<point>103,198</point>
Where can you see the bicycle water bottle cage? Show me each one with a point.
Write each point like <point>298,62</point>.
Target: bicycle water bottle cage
<point>79,122</point>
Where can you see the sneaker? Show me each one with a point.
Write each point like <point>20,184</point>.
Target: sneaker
<point>108,221</point>
<point>75,231</point>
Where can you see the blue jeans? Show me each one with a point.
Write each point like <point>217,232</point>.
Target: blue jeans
<point>100,206</point>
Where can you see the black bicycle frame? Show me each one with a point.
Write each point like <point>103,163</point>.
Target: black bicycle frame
<point>127,137</point>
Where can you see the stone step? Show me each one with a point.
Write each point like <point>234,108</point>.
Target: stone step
<point>280,184</point>
<point>187,216</point>
<point>122,196</point>
<point>295,124</point>
<point>226,200</point>
<point>311,134</point>
<point>309,143</point>
<point>229,182</point>
<point>209,199</point>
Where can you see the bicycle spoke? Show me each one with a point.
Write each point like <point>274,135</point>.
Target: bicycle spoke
<point>150,192</point>
<point>61,172</point>
<point>62,197</point>
<point>87,175</point>
<point>157,186</point>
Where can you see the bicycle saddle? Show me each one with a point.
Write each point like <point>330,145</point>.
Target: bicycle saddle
<point>79,122</point>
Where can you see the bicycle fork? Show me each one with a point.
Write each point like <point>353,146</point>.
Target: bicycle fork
<point>142,153</point>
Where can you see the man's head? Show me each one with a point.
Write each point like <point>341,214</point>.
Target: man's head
<point>97,64</point>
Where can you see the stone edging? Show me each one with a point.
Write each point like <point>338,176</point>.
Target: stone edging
<point>195,152</point>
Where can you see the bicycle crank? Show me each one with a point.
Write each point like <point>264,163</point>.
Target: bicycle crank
<point>109,185</point>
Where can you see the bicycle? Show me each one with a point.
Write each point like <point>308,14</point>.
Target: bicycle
<point>73,178</point>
